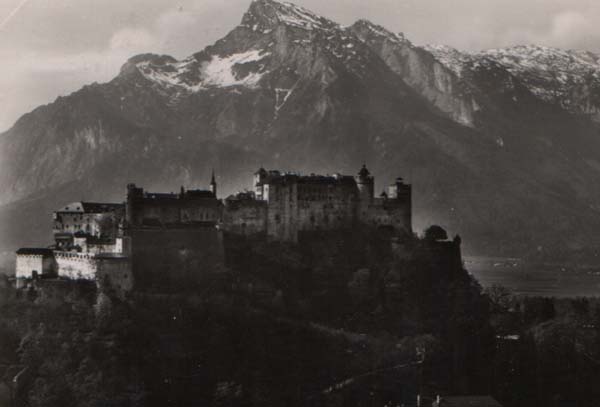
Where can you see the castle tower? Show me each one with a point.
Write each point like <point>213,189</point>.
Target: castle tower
<point>401,193</point>
<point>259,177</point>
<point>366,186</point>
<point>134,196</point>
<point>213,184</point>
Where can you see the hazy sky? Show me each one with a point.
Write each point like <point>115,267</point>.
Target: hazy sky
<point>53,47</point>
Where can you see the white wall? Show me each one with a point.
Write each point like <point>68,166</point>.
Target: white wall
<point>77,266</point>
<point>27,263</point>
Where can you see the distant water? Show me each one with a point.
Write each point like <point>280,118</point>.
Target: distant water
<point>538,280</point>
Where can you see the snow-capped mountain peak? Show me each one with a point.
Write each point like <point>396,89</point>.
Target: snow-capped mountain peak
<point>381,32</point>
<point>268,14</point>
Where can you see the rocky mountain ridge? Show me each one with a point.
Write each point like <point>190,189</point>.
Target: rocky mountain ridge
<point>568,78</point>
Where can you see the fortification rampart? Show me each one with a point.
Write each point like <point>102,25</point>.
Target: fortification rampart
<point>160,257</point>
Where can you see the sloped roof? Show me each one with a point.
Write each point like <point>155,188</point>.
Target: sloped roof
<point>90,207</point>
<point>189,194</point>
<point>35,251</point>
<point>199,193</point>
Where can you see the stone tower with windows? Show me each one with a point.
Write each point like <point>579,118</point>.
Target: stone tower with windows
<point>366,187</point>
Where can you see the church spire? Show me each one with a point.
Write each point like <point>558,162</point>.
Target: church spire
<point>213,183</point>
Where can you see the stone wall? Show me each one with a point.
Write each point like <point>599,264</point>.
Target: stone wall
<point>28,263</point>
<point>176,211</point>
<point>87,266</point>
<point>161,257</point>
<point>395,213</point>
<point>325,207</point>
<point>282,211</point>
<point>76,266</point>
<point>117,271</point>
<point>91,224</point>
<point>246,218</point>
<point>185,207</point>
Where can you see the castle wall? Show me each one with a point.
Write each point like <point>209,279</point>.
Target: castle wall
<point>92,224</point>
<point>98,248</point>
<point>246,218</point>
<point>325,207</point>
<point>161,256</point>
<point>389,212</point>
<point>171,211</point>
<point>308,206</point>
<point>28,263</point>
<point>199,213</point>
<point>114,269</point>
<point>117,271</point>
<point>282,211</point>
<point>76,266</point>
<point>162,211</point>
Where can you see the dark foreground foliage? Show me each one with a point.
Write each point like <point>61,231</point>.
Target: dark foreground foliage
<point>338,320</point>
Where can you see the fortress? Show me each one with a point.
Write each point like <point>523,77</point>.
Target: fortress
<point>180,235</point>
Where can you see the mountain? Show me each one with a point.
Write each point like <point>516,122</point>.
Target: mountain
<point>568,78</point>
<point>440,85</point>
<point>489,158</point>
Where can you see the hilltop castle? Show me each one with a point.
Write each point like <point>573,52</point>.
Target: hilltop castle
<point>153,235</point>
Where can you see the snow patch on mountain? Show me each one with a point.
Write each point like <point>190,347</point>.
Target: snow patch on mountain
<point>219,71</point>
<point>450,57</point>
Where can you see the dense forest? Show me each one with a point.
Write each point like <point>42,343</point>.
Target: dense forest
<point>351,319</point>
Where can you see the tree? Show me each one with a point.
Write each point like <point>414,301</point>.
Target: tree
<point>500,297</point>
<point>435,233</point>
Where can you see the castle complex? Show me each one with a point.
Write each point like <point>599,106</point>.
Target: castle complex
<point>178,234</point>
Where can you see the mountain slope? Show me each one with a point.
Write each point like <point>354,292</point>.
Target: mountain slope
<point>292,90</point>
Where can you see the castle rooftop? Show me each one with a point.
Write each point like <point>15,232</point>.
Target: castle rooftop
<point>276,177</point>
<point>90,207</point>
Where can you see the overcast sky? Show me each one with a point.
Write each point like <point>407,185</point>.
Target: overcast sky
<point>53,47</point>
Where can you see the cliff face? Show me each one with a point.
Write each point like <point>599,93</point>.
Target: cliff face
<point>569,79</point>
<point>289,89</point>
<point>421,71</point>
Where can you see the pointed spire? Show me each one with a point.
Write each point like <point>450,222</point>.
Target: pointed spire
<point>364,172</point>
<point>213,183</point>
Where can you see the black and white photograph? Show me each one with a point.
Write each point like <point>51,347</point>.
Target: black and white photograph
<point>322,203</point>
